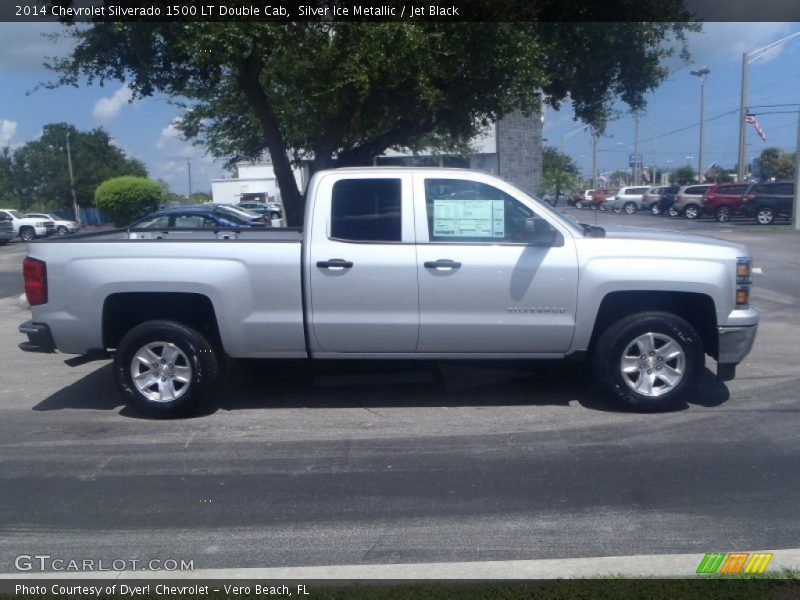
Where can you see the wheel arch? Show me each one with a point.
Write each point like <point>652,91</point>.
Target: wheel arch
<point>694,307</point>
<point>123,311</point>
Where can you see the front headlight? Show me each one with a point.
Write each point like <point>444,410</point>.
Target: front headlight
<point>744,268</point>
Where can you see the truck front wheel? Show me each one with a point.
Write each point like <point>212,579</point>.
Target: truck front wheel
<point>647,360</point>
<point>164,368</point>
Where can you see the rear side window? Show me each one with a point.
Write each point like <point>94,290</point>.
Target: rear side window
<point>367,210</point>
<point>635,191</point>
<point>731,189</point>
<point>698,190</point>
<point>784,189</point>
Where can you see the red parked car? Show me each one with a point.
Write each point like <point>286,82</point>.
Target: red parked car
<point>602,197</point>
<point>724,200</point>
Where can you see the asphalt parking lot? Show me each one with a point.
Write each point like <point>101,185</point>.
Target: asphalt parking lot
<point>361,463</point>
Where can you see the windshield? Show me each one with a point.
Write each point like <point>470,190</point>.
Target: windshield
<point>16,214</point>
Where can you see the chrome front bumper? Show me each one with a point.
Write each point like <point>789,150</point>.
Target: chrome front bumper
<point>734,344</point>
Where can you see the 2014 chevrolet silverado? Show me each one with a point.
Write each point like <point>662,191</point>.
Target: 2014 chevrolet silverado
<point>395,263</point>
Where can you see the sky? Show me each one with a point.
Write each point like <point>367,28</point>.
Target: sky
<point>144,129</point>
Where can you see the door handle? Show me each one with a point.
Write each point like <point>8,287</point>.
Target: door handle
<point>335,263</point>
<point>442,263</point>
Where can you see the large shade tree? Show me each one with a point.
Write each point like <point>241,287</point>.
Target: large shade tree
<point>336,93</point>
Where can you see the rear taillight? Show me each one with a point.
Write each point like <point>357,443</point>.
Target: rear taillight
<point>34,272</point>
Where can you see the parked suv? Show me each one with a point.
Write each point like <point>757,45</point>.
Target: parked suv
<point>689,201</point>
<point>651,197</point>
<point>666,201</point>
<point>62,226</point>
<point>6,229</point>
<point>629,199</point>
<point>724,200</point>
<point>28,228</point>
<point>765,201</point>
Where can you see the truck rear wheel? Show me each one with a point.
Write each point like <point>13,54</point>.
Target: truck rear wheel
<point>647,359</point>
<point>164,368</point>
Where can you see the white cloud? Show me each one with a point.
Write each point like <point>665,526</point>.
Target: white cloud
<point>106,109</point>
<point>7,131</point>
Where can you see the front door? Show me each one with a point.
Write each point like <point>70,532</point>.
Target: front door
<point>482,287</point>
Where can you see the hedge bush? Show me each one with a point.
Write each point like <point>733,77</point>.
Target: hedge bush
<point>125,199</point>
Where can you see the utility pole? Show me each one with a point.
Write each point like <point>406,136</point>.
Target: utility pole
<point>796,209</point>
<point>189,166</point>
<point>703,75</point>
<point>594,160</point>
<point>636,162</point>
<point>742,124</point>
<point>72,184</point>
<point>747,58</point>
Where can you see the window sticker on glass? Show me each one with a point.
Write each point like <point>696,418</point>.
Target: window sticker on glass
<point>469,218</point>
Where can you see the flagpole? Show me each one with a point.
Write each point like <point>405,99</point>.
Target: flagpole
<point>796,208</point>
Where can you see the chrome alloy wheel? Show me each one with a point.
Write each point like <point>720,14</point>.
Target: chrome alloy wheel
<point>161,371</point>
<point>653,364</point>
<point>765,216</point>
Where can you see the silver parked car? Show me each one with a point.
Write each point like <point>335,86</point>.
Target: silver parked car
<point>630,199</point>
<point>689,201</point>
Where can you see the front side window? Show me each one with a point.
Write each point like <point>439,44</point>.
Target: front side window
<point>367,210</point>
<point>469,211</point>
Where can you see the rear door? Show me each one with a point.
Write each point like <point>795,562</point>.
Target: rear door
<point>483,289</point>
<point>361,265</point>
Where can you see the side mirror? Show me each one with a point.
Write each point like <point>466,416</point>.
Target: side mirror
<point>540,233</point>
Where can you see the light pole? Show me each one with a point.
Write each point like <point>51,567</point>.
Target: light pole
<point>703,75</point>
<point>747,58</point>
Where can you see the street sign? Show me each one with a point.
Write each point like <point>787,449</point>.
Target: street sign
<point>634,159</point>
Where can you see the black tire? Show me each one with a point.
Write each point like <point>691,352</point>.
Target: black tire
<point>611,346</point>
<point>3,242</point>
<point>722,214</point>
<point>27,234</point>
<point>692,212</point>
<point>672,211</point>
<point>62,230</point>
<point>579,204</point>
<point>765,215</point>
<point>630,208</point>
<point>201,357</point>
<point>655,209</point>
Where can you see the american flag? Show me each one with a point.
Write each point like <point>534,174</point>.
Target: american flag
<point>750,118</point>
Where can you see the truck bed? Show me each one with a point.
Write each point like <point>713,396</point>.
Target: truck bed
<point>252,277</point>
<point>260,234</point>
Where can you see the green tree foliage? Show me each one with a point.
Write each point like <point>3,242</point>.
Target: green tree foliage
<point>559,172</point>
<point>199,198</point>
<point>718,174</point>
<point>8,197</point>
<point>776,164</point>
<point>40,174</point>
<point>338,94</point>
<point>684,175</point>
<point>127,198</point>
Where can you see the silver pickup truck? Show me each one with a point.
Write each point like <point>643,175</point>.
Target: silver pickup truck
<point>395,263</point>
